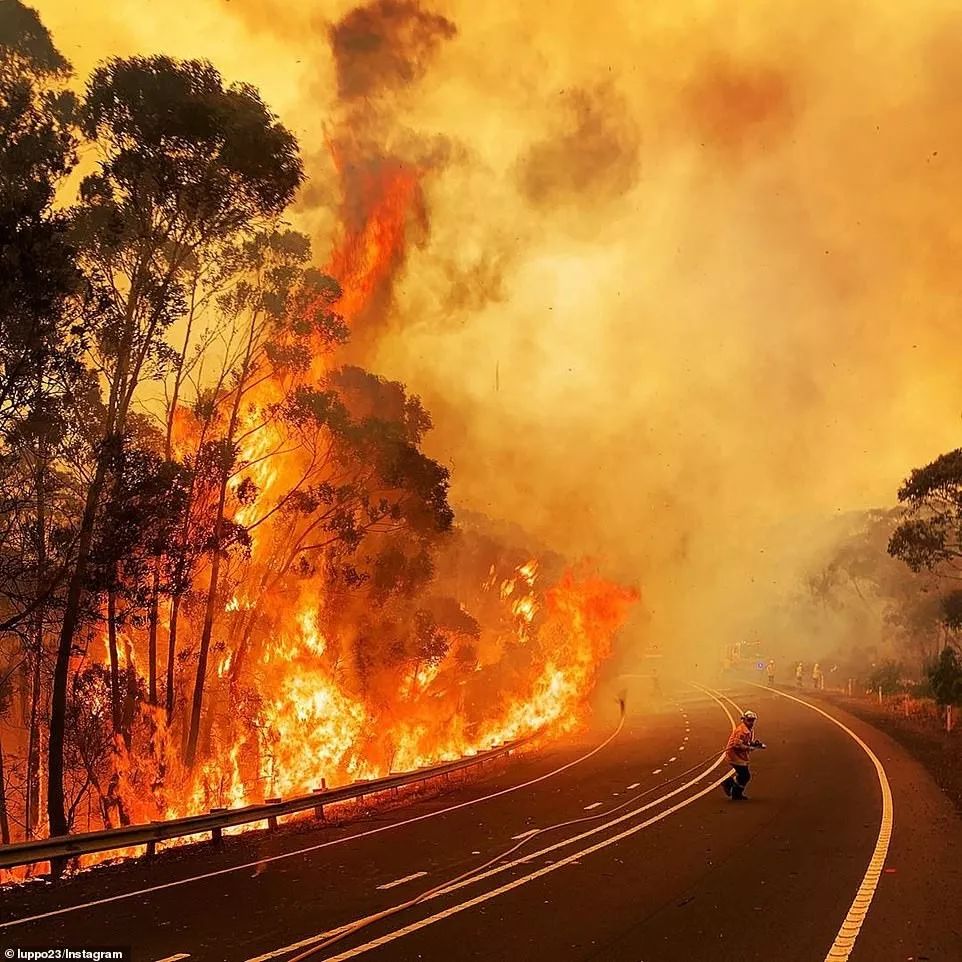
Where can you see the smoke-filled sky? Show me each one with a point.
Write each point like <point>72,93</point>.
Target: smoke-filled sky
<point>688,280</point>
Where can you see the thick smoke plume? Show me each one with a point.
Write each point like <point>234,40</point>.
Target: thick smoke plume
<point>684,282</point>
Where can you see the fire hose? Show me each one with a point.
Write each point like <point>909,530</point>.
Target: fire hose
<point>477,870</point>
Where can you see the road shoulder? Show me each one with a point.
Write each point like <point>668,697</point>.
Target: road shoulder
<point>915,914</point>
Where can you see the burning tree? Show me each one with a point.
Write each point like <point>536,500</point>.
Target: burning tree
<point>227,567</point>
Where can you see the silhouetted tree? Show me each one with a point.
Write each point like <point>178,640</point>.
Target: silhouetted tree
<point>930,535</point>
<point>186,163</point>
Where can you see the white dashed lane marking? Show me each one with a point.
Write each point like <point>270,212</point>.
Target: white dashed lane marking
<point>657,771</point>
<point>401,881</point>
<point>517,838</point>
<point>588,808</point>
<point>633,785</point>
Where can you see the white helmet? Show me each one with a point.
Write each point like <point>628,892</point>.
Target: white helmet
<point>750,716</point>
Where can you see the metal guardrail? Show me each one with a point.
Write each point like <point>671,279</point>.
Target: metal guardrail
<point>128,836</point>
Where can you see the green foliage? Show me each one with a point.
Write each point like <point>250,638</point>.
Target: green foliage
<point>930,534</point>
<point>25,39</point>
<point>37,273</point>
<point>140,518</point>
<point>952,609</point>
<point>887,676</point>
<point>36,111</point>
<point>945,677</point>
<point>203,157</point>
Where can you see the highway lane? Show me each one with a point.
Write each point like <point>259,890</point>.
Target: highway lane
<point>339,882</point>
<point>690,877</point>
<point>769,880</point>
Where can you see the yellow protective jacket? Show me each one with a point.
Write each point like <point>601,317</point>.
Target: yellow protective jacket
<point>738,750</point>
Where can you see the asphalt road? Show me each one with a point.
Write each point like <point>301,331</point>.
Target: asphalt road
<point>655,865</point>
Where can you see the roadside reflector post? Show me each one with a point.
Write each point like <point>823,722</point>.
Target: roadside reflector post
<point>272,819</point>
<point>216,833</point>
<point>949,720</point>
<point>880,694</point>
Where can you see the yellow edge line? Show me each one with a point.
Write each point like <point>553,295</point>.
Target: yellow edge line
<point>848,932</point>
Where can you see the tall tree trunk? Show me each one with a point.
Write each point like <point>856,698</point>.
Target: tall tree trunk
<point>115,713</point>
<point>155,587</point>
<point>126,374</point>
<point>32,794</point>
<point>32,797</point>
<point>198,699</point>
<point>4,821</point>
<point>56,808</point>
<point>172,654</point>
<point>243,646</point>
<point>129,703</point>
<point>152,635</point>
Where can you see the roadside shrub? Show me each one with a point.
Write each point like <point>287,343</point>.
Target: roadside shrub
<point>945,677</point>
<point>887,676</point>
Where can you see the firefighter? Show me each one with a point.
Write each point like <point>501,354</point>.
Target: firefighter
<point>737,752</point>
<point>771,672</point>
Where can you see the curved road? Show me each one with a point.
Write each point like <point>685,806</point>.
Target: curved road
<point>640,858</point>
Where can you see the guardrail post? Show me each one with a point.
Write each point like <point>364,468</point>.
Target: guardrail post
<point>272,819</point>
<point>216,833</point>
<point>319,809</point>
<point>151,849</point>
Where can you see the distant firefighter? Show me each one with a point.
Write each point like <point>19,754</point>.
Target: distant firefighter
<point>818,679</point>
<point>737,752</point>
<point>798,675</point>
<point>771,672</point>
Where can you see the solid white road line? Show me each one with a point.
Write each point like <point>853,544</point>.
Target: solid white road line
<point>303,944</point>
<point>588,808</point>
<point>175,958</point>
<point>523,880</point>
<point>150,889</point>
<point>851,926</point>
<point>501,867</point>
<point>504,866</point>
<point>401,881</point>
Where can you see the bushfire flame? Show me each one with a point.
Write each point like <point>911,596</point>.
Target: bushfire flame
<point>291,699</point>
